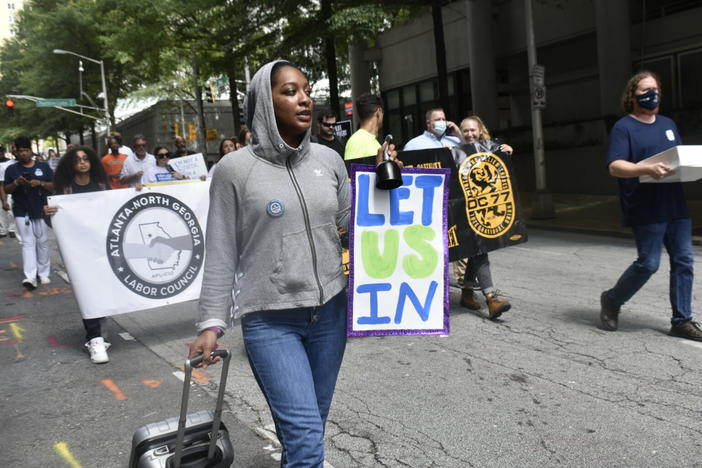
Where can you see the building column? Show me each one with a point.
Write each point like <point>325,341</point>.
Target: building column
<point>360,75</point>
<point>613,25</point>
<point>483,80</point>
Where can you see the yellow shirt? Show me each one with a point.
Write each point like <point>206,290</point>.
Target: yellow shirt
<point>361,144</point>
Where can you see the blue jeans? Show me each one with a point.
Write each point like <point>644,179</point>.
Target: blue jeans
<point>295,355</point>
<point>676,236</point>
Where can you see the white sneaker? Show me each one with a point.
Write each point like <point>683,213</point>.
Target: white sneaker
<point>29,283</point>
<point>98,350</point>
<point>44,280</point>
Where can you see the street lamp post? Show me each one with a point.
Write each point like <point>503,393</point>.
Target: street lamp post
<point>102,75</point>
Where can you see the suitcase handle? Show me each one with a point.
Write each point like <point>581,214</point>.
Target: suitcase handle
<point>197,360</point>
<point>189,364</point>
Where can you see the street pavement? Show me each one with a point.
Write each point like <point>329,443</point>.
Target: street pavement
<point>60,410</point>
<point>544,386</point>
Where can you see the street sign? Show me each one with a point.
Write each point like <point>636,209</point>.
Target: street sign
<point>55,102</point>
<point>537,75</point>
<point>538,97</point>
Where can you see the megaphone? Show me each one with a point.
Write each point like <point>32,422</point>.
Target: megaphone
<point>387,173</point>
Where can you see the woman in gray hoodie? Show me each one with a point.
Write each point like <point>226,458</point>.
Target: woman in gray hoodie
<point>273,259</point>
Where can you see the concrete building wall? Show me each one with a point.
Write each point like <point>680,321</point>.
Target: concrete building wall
<point>579,45</point>
<point>9,10</point>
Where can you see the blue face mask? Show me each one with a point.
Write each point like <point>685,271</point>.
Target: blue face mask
<point>648,100</point>
<point>439,127</point>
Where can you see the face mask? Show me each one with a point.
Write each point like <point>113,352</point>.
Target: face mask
<point>648,100</point>
<point>439,127</point>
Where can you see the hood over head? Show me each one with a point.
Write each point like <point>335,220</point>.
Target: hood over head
<point>266,141</point>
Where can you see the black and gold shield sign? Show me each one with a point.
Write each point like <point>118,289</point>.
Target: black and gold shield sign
<point>484,210</point>
<point>487,188</point>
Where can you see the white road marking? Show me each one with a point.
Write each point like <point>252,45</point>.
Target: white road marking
<point>547,252</point>
<point>179,375</point>
<point>696,344</point>
<point>126,336</point>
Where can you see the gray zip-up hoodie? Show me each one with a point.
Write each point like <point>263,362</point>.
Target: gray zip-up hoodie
<point>272,240</point>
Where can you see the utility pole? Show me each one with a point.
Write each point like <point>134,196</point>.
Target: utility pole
<point>200,109</point>
<point>542,206</point>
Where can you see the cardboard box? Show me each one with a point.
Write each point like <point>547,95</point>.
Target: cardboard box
<point>685,160</point>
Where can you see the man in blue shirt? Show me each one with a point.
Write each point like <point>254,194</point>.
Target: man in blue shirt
<point>656,212</point>
<point>30,182</point>
<point>440,133</point>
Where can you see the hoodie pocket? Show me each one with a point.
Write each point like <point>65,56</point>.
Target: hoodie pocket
<point>294,269</point>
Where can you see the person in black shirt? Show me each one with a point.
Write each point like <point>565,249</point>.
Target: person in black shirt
<point>29,183</point>
<point>326,122</point>
<point>81,171</point>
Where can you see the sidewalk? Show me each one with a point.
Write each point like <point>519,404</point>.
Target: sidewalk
<point>595,214</point>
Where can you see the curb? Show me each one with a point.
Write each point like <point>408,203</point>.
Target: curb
<point>696,240</point>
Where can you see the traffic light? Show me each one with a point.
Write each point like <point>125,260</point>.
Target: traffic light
<point>192,132</point>
<point>210,93</point>
<point>10,106</point>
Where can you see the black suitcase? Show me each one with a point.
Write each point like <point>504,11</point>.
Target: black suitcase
<point>186,442</point>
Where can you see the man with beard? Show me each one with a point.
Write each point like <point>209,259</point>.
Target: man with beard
<point>113,162</point>
<point>326,122</point>
<point>657,213</point>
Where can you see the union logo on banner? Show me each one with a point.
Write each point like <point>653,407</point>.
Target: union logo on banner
<point>127,250</point>
<point>490,207</point>
<point>155,245</point>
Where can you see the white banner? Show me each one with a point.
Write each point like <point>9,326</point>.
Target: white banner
<point>192,166</point>
<point>126,250</point>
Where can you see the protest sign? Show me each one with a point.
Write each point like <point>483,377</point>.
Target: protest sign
<point>191,166</point>
<point>484,213</point>
<point>342,129</point>
<point>399,254</point>
<point>126,250</point>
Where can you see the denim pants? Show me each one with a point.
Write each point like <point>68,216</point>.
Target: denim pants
<point>295,355</point>
<point>478,274</point>
<point>676,236</point>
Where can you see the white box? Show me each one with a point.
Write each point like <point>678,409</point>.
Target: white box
<point>685,160</point>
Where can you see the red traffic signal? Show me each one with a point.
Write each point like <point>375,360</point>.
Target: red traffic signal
<point>9,103</point>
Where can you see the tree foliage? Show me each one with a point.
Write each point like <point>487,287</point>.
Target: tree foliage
<point>149,47</point>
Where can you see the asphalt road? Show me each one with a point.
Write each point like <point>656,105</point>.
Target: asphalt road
<point>543,387</point>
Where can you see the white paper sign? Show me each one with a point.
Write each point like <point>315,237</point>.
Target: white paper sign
<point>399,254</point>
<point>126,250</point>
<point>192,166</point>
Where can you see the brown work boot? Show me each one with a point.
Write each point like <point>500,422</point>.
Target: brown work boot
<point>496,307</point>
<point>468,299</point>
<point>690,330</point>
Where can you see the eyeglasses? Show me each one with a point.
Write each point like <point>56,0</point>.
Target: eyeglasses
<point>163,155</point>
<point>328,124</point>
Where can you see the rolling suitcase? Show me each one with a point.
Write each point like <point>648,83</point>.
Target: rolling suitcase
<point>195,440</point>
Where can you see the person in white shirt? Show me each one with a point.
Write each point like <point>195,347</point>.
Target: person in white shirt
<point>136,166</point>
<point>440,133</point>
<point>162,171</point>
